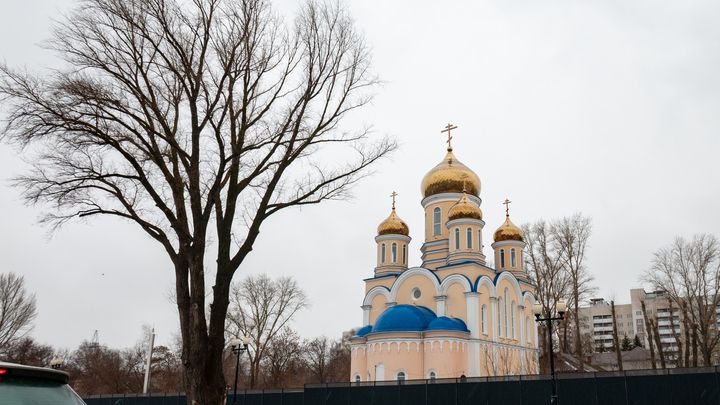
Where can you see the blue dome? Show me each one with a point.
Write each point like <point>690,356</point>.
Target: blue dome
<point>363,331</point>
<point>445,323</point>
<point>403,317</point>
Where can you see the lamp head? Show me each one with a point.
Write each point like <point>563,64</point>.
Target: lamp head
<point>561,306</point>
<point>234,342</point>
<point>537,308</point>
<point>246,341</point>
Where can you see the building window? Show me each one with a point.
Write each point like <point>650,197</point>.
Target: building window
<point>638,313</point>
<point>513,309</point>
<point>649,311</point>
<point>382,253</point>
<point>404,253</point>
<point>502,258</point>
<point>628,316</point>
<point>358,378</point>
<point>480,240</point>
<point>619,317</point>
<point>484,319</point>
<point>586,326</point>
<point>415,293</point>
<point>631,333</point>
<point>437,217</point>
<point>507,316</point>
<point>393,252</point>
<point>500,315</point>
<point>513,258</point>
<point>639,321</point>
<point>469,242</point>
<point>640,329</point>
<point>522,259</point>
<point>400,376</point>
<point>457,238</point>
<point>432,375</point>
<point>620,325</point>
<point>621,332</point>
<point>528,330</point>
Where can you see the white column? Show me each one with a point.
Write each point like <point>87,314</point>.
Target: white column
<point>440,305</point>
<point>521,321</point>
<point>473,318</point>
<point>366,314</point>
<point>493,306</point>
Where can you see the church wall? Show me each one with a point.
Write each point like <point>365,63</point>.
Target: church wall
<point>456,302</point>
<point>427,290</point>
<point>447,357</point>
<point>395,356</point>
<point>377,308</point>
<point>358,363</point>
<point>444,208</point>
<point>383,281</point>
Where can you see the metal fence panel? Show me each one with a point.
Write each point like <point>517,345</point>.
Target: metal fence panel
<point>442,394</point>
<point>386,394</point>
<point>610,389</point>
<point>576,389</point>
<point>535,391</point>
<point>504,392</point>
<point>411,394</point>
<point>472,393</point>
<point>648,389</point>
<point>693,389</point>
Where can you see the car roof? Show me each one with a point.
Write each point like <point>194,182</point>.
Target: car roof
<point>19,370</point>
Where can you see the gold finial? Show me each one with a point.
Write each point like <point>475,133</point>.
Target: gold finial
<point>447,129</point>
<point>393,197</point>
<point>507,207</point>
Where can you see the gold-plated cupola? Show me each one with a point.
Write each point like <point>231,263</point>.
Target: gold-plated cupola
<point>508,230</point>
<point>464,209</point>
<point>393,225</point>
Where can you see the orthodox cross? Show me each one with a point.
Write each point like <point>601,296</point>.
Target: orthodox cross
<point>447,129</point>
<point>393,197</point>
<point>507,207</point>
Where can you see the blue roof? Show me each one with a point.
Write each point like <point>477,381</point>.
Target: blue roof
<point>445,323</point>
<point>404,317</point>
<point>363,331</point>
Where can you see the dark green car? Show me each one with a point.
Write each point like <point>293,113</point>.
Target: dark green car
<point>25,385</point>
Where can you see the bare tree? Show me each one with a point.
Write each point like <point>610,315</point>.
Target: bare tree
<point>260,308</point>
<point>556,264</point>
<point>689,272</point>
<point>29,352</point>
<point>282,360</point>
<point>571,236</point>
<point>649,335</point>
<point>17,309</point>
<point>616,338</point>
<point>195,121</point>
<point>318,353</point>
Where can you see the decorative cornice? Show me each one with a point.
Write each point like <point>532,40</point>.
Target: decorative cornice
<point>444,197</point>
<point>502,243</point>
<point>465,221</point>
<point>392,236</point>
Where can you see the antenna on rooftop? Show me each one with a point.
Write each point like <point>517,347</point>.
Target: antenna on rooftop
<point>95,341</point>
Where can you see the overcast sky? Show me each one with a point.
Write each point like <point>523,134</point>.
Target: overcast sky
<point>609,108</point>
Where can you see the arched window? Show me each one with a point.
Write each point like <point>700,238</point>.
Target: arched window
<point>404,254</point>
<point>479,240</point>
<point>502,258</point>
<point>469,244</point>
<point>400,376</point>
<point>393,253</point>
<point>507,316</point>
<point>358,378</point>
<point>513,258</point>
<point>522,259</point>
<point>431,375</point>
<point>484,319</point>
<point>528,330</point>
<point>368,376</point>
<point>513,309</point>
<point>500,316</point>
<point>382,253</point>
<point>457,238</point>
<point>437,217</point>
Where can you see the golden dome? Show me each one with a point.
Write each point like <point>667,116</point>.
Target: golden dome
<point>450,176</point>
<point>464,209</point>
<point>393,225</point>
<point>508,231</point>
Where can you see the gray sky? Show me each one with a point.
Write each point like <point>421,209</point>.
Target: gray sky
<point>609,108</point>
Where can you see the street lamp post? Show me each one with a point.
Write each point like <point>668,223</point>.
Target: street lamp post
<point>560,307</point>
<point>238,347</point>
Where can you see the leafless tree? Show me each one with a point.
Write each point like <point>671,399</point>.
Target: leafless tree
<point>689,272</point>
<point>616,338</point>
<point>318,353</point>
<point>260,308</point>
<point>196,121</point>
<point>556,264</point>
<point>29,352</point>
<point>649,335</point>
<point>282,360</point>
<point>17,309</point>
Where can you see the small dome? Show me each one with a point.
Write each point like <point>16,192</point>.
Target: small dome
<point>464,209</point>
<point>363,331</point>
<point>450,176</point>
<point>508,231</point>
<point>404,317</point>
<point>445,323</point>
<point>393,225</point>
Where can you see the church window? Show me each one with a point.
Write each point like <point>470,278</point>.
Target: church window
<point>502,258</point>
<point>507,309</point>
<point>480,240</point>
<point>513,309</point>
<point>358,378</point>
<point>382,253</point>
<point>432,375</point>
<point>416,293</point>
<point>436,221</point>
<point>484,319</point>
<point>469,243</point>
<point>513,258</point>
<point>457,238</point>
<point>528,330</point>
<point>404,254</point>
<point>500,316</point>
<point>393,252</point>
<point>400,376</point>
<point>522,259</point>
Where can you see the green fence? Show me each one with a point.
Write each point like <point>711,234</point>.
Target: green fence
<point>685,386</point>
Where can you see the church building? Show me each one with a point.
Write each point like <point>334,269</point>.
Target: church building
<point>454,315</point>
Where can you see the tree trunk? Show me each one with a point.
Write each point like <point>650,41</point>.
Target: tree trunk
<point>656,333</point>
<point>694,345</point>
<point>676,335</point>
<point>687,342</point>
<point>616,339</point>
<point>578,337</point>
<point>648,333</point>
